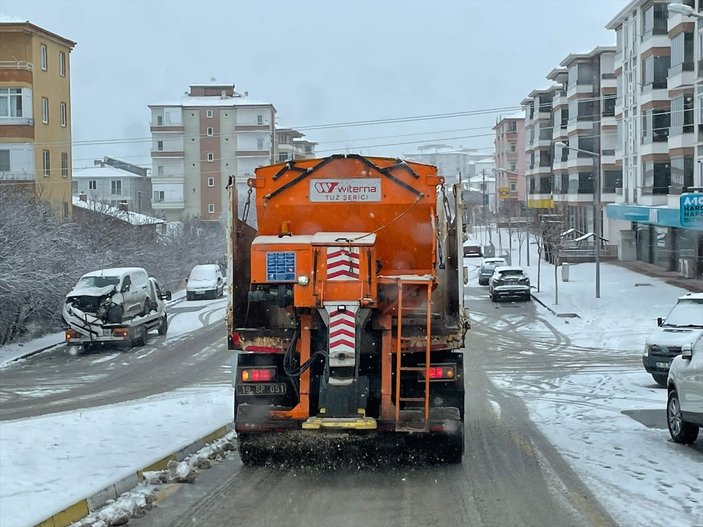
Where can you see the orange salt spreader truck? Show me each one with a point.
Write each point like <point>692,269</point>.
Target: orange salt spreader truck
<point>346,305</point>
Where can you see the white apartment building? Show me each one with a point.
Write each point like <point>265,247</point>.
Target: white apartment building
<point>202,140</point>
<point>657,65</point>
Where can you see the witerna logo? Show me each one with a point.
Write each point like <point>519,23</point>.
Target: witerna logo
<point>345,190</point>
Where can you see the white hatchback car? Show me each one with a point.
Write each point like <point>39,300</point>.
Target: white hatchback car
<point>205,281</point>
<point>684,409</point>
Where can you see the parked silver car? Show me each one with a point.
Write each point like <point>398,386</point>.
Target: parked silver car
<point>684,409</point>
<point>487,267</point>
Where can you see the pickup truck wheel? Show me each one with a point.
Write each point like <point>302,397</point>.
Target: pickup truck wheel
<point>163,325</point>
<point>680,430</point>
<point>494,297</point>
<point>660,378</point>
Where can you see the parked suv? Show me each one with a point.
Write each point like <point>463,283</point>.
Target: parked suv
<point>683,325</point>
<point>487,268</point>
<point>205,281</point>
<point>684,409</point>
<point>509,280</point>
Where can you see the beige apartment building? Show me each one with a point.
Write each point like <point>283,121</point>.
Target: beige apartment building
<point>202,140</point>
<point>35,112</point>
<point>511,188</point>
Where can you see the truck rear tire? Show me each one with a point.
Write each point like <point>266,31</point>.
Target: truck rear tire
<point>250,452</point>
<point>163,325</point>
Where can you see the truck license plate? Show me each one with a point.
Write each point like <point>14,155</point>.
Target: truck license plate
<point>664,365</point>
<point>261,389</point>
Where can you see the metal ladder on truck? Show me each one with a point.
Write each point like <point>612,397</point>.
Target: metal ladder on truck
<point>400,367</point>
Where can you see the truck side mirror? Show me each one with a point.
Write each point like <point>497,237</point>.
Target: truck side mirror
<point>125,288</point>
<point>660,321</point>
<point>166,295</point>
<point>686,351</point>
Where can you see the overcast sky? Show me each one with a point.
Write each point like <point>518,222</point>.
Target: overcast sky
<point>319,63</point>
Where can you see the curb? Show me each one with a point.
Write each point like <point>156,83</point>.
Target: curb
<point>31,353</point>
<point>559,315</point>
<point>82,508</point>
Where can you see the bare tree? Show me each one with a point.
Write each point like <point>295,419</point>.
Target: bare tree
<point>42,257</point>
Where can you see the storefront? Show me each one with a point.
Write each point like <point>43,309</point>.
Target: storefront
<point>661,240</point>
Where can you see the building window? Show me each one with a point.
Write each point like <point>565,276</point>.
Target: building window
<point>43,57</point>
<point>608,105</point>
<point>64,164</point>
<point>160,170</point>
<point>45,110</point>
<point>210,132</point>
<point>210,157</point>
<point>259,144</point>
<point>4,160</point>
<point>93,184</point>
<point>211,208</point>
<point>682,114</point>
<point>259,119</point>
<point>209,113</point>
<point>655,71</point>
<point>211,182</point>
<point>62,114</point>
<point>682,172</point>
<point>159,120</point>
<point>158,196</point>
<point>46,163</point>
<point>159,145</point>
<point>10,102</point>
<point>62,63</point>
<point>116,187</point>
<point>654,20</point>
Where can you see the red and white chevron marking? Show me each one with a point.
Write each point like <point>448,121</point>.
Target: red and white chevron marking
<point>342,263</point>
<point>342,331</point>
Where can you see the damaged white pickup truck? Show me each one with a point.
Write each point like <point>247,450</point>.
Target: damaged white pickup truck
<point>114,306</point>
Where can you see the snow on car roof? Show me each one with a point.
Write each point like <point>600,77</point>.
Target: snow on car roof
<point>692,296</point>
<point>509,268</point>
<point>493,259</point>
<point>114,271</point>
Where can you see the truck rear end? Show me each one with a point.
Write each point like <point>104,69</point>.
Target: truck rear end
<point>345,305</point>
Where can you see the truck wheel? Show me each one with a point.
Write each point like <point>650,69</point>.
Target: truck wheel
<point>250,452</point>
<point>163,325</point>
<point>453,448</point>
<point>494,297</point>
<point>680,430</point>
<point>660,378</point>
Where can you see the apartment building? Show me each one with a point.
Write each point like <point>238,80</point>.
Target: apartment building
<point>292,145</point>
<point>454,164</point>
<point>35,112</point>
<point>538,148</point>
<point>659,133</point>
<point>584,118</point>
<point>201,140</point>
<point>116,183</point>
<point>510,165</point>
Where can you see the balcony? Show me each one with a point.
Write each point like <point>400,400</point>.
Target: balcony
<point>17,127</point>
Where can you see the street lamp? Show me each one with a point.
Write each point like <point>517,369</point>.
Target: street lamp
<point>596,206</point>
<point>683,9</point>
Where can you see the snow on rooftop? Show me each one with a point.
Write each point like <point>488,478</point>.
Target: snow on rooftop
<point>133,218</point>
<point>103,171</point>
<point>214,100</point>
<point>9,19</point>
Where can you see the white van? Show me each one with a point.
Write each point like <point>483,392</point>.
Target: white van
<point>205,281</point>
<point>682,326</point>
<point>113,295</point>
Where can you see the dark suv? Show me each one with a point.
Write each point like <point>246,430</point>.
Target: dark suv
<point>509,281</point>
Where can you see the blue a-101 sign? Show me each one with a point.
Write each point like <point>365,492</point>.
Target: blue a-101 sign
<point>691,206</point>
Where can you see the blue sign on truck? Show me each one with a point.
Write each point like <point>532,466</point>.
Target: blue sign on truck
<point>691,206</point>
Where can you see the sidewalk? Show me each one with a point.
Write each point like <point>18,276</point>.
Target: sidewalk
<point>670,277</point>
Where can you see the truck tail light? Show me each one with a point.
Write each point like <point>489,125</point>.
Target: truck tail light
<point>72,334</point>
<point>442,372</point>
<point>258,374</point>
<point>120,332</point>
